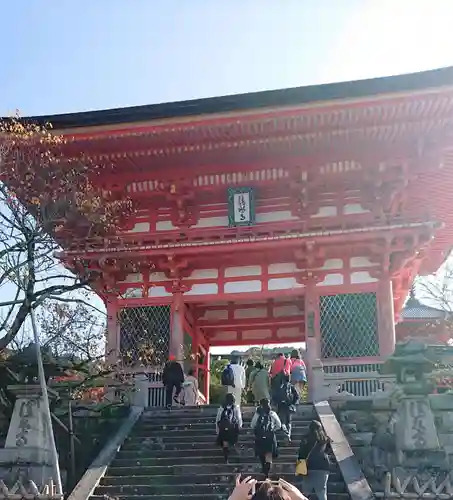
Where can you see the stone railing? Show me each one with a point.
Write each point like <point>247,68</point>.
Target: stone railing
<point>415,486</point>
<point>356,482</point>
<point>349,380</point>
<point>29,490</point>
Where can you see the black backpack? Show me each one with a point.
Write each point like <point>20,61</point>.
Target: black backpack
<point>227,420</point>
<point>264,428</point>
<point>285,394</point>
<point>228,376</point>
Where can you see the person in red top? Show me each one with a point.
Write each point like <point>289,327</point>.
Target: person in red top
<point>280,368</point>
<point>298,372</point>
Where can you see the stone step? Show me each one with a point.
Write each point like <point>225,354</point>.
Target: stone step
<point>214,451</point>
<point>281,466</point>
<point>142,482</point>
<point>173,454</point>
<point>174,417</point>
<point>154,487</point>
<point>151,410</point>
<point>196,435</point>
<point>198,438</point>
<point>197,422</point>
<point>175,495</point>
<point>179,460</point>
<point>151,446</point>
<point>182,413</point>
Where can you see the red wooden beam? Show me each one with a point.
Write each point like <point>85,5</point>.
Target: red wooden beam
<point>264,341</point>
<point>257,243</point>
<point>250,323</point>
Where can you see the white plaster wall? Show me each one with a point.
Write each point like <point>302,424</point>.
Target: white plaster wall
<point>333,264</point>
<point>212,222</point>
<point>243,286</point>
<point>354,208</point>
<point>140,227</point>
<point>215,314</point>
<point>155,277</point>
<point>283,284</point>
<point>158,291</point>
<point>278,216</point>
<point>293,332</point>
<point>326,212</point>
<point>281,268</point>
<point>200,274</point>
<point>285,311</point>
<point>331,280</point>
<point>225,336</point>
<point>361,262</point>
<point>165,225</point>
<point>233,272</point>
<point>203,289</point>
<point>362,277</point>
<point>250,313</point>
<point>133,278</point>
<point>256,334</point>
<point>133,293</point>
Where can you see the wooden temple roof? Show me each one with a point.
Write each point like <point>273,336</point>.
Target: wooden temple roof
<point>414,310</point>
<point>325,138</point>
<point>352,90</point>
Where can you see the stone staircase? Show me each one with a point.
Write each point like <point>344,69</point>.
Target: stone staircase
<point>170,455</point>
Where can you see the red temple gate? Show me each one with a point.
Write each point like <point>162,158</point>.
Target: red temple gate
<point>299,215</point>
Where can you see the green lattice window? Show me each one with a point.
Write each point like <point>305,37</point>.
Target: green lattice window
<point>348,325</point>
<point>145,335</point>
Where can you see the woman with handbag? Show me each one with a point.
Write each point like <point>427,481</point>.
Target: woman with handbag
<point>313,461</point>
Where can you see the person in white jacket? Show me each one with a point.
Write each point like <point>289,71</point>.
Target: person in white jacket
<point>239,381</point>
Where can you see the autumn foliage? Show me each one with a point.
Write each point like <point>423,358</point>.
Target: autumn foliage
<point>51,196</point>
<point>60,190</point>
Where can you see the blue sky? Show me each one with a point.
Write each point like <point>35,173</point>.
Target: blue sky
<point>74,55</point>
<point>67,55</point>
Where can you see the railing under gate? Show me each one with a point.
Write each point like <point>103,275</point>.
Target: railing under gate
<point>356,379</point>
<point>151,384</point>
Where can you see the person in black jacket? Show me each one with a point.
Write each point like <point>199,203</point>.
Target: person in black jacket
<point>172,378</point>
<point>313,448</point>
<point>287,399</point>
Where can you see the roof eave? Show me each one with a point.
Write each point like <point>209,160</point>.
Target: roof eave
<point>407,83</point>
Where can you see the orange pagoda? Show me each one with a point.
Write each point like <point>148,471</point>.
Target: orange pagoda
<point>295,215</point>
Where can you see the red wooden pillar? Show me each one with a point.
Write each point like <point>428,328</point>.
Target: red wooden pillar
<point>112,346</point>
<point>312,334</point>
<point>207,378</point>
<point>176,347</point>
<point>195,350</point>
<point>386,317</point>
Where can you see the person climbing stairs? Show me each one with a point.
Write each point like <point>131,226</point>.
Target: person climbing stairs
<point>174,455</point>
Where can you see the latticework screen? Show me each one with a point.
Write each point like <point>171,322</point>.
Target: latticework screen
<point>348,325</point>
<point>145,335</point>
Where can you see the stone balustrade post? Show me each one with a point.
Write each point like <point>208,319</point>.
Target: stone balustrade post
<point>27,455</point>
<point>141,389</point>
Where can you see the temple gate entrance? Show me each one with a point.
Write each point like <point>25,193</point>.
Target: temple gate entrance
<point>340,330</point>
<point>301,215</point>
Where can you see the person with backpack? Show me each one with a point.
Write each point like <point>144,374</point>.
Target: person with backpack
<point>265,423</point>
<point>298,372</point>
<point>287,399</point>
<point>233,378</point>
<point>313,462</point>
<point>228,424</point>
<point>259,382</point>
<point>280,367</point>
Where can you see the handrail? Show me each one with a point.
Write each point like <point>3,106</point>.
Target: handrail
<point>84,489</point>
<point>356,482</point>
